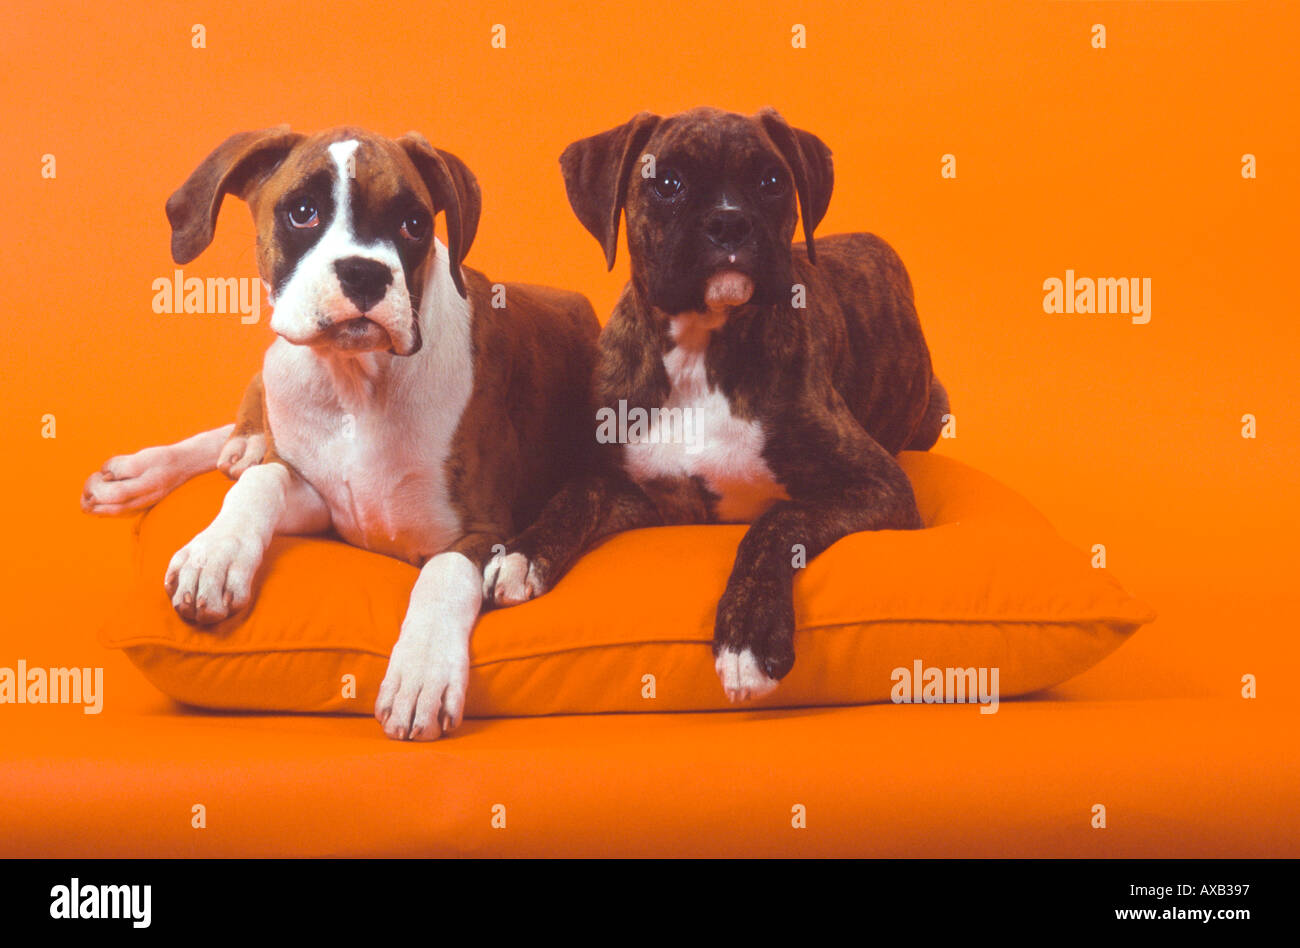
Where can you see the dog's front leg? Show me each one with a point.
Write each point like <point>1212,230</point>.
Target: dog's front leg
<point>211,577</point>
<point>753,638</point>
<point>422,696</point>
<point>584,511</point>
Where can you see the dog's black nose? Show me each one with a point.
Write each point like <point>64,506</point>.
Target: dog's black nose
<point>728,227</point>
<point>363,281</point>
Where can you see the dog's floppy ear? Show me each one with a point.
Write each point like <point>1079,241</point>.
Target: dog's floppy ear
<point>810,161</point>
<point>238,167</point>
<point>596,170</point>
<point>455,192</point>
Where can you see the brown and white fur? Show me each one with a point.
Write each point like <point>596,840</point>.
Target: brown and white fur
<point>797,410</point>
<point>398,408</point>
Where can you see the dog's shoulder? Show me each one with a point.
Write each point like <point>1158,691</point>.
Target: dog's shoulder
<point>630,364</point>
<point>861,275</point>
<point>531,307</point>
<point>555,306</point>
<point>845,254</point>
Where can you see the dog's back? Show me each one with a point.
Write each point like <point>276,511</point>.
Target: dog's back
<point>881,365</point>
<point>541,366</point>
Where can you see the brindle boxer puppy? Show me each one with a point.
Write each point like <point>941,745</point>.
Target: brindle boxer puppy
<point>796,413</point>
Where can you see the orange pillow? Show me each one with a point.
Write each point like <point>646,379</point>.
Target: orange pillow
<point>987,584</point>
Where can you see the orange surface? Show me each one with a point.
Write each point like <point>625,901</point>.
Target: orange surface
<point>1117,162</point>
<point>987,585</point>
<point>1179,777</point>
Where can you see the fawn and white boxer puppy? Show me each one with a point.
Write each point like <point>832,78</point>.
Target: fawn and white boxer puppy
<point>797,411</point>
<point>398,408</point>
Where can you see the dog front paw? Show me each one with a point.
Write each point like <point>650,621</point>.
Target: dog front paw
<point>211,578</point>
<point>742,675</point>
<point>422,696</point>
<point>753,643</point>
<point>240,452</point>
<point>512,578</point>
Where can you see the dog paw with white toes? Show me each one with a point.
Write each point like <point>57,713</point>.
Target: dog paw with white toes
<point>211,577</point>
<point>240,452</point>
<point>130,481</point>
<point>511,578</point>
<point>742,676</point>
<point>422,697</point>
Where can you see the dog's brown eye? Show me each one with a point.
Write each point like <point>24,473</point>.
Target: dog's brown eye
<point>772,183</point>
<point>415,227</point>
<point>303,213</point>
<point>667,183</point>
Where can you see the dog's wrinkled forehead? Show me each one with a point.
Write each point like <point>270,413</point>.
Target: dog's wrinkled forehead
<point>379,172</point>
<point>343,193</point>
<point>713,139</point>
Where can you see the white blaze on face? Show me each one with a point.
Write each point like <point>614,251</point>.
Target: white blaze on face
<point>312,299</point>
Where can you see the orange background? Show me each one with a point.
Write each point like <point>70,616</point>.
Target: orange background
<point>1117,162</point>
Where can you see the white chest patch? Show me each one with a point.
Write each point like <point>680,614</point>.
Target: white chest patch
<point>698,436</point>
<point>372,432</point>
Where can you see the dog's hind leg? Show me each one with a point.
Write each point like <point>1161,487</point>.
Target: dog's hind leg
<point>927,432</point>
<point>250,442</point>
<point>130,482</point>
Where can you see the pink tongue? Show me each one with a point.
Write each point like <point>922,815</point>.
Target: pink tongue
<point>728,288</point>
